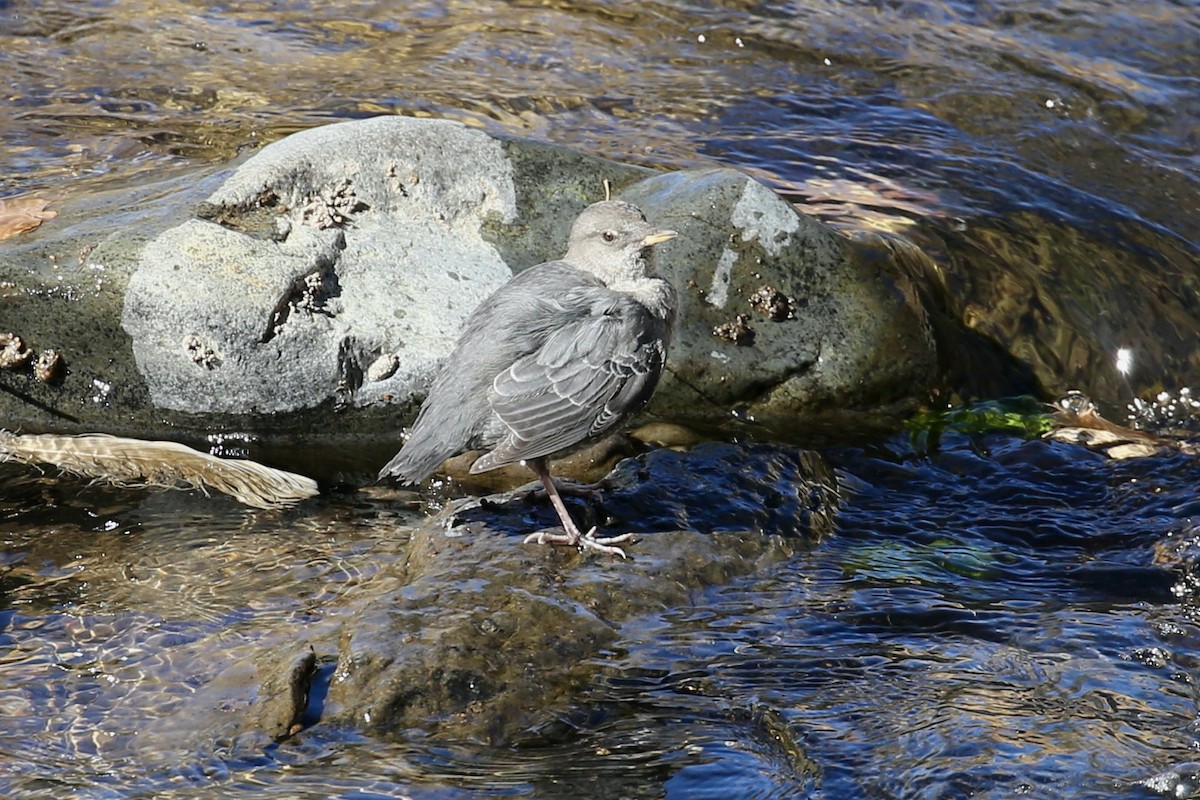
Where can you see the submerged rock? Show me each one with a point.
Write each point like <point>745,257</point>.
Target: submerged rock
<point>483,638</point>
<point>248,705</point>
<point>206,649</point>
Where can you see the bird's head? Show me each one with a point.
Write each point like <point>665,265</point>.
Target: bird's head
<point>609,239</point>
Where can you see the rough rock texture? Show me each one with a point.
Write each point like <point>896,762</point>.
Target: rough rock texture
<point>63,287</point>
<point>839,332</point>
<point>309,299</point>
<point>375,249</point>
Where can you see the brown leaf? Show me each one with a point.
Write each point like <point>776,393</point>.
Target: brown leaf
<point>22,214</point>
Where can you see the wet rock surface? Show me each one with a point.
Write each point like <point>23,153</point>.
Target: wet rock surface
<point>248,705</point>
<point>488,640</point>
<point>481,637</point>
<point>451,631</point>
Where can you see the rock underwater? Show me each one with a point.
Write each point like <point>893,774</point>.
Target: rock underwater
<point>474,637</point>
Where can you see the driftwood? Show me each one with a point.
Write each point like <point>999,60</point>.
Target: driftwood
<point>138,463</point>
<point>1078,421</point>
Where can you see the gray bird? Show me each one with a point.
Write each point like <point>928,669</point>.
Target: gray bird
<point>554,359</point>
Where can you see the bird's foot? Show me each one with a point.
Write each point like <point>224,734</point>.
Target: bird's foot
<point>585,541</point>
<point>589,541</point>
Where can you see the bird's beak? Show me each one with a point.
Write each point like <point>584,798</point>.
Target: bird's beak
<point>655,237</point>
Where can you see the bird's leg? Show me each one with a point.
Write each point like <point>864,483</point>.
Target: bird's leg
<point>571,536</point>
<point>590,492</point>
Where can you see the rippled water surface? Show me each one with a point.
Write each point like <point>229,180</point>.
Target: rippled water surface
<point>995,619</point>
<point>898,105</point>
<point>989,620</point>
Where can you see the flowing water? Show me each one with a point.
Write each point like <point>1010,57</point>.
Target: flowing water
<point>989,620</point>
<point>995,618</point>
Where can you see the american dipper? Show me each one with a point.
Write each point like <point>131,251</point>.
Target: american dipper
<point>554,359</point>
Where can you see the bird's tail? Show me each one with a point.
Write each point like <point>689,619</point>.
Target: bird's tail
<point>415,462</point>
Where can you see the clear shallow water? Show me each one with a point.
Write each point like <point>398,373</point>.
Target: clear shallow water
<point>1065,101</point>
<point>987,622</point>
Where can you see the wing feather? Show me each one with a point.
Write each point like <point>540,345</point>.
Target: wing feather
<point>589,375</point>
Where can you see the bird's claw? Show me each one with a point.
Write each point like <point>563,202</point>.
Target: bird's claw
<point>589,542</point>
<point>591,536</point>
<point>586,541</point>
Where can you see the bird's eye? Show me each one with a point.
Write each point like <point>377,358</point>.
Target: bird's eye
<point>609,236</point>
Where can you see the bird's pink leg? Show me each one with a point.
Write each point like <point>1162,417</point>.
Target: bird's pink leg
<point>572,536</point>
<point>587,491</point>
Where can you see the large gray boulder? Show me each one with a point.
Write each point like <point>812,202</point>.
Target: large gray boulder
<point>310,296</point>
<point>372,248</point>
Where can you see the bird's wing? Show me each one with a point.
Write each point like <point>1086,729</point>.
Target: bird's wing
<point>513,322</point>
<point>589,375</point>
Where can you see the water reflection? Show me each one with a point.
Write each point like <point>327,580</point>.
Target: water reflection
<point>857,86</point>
